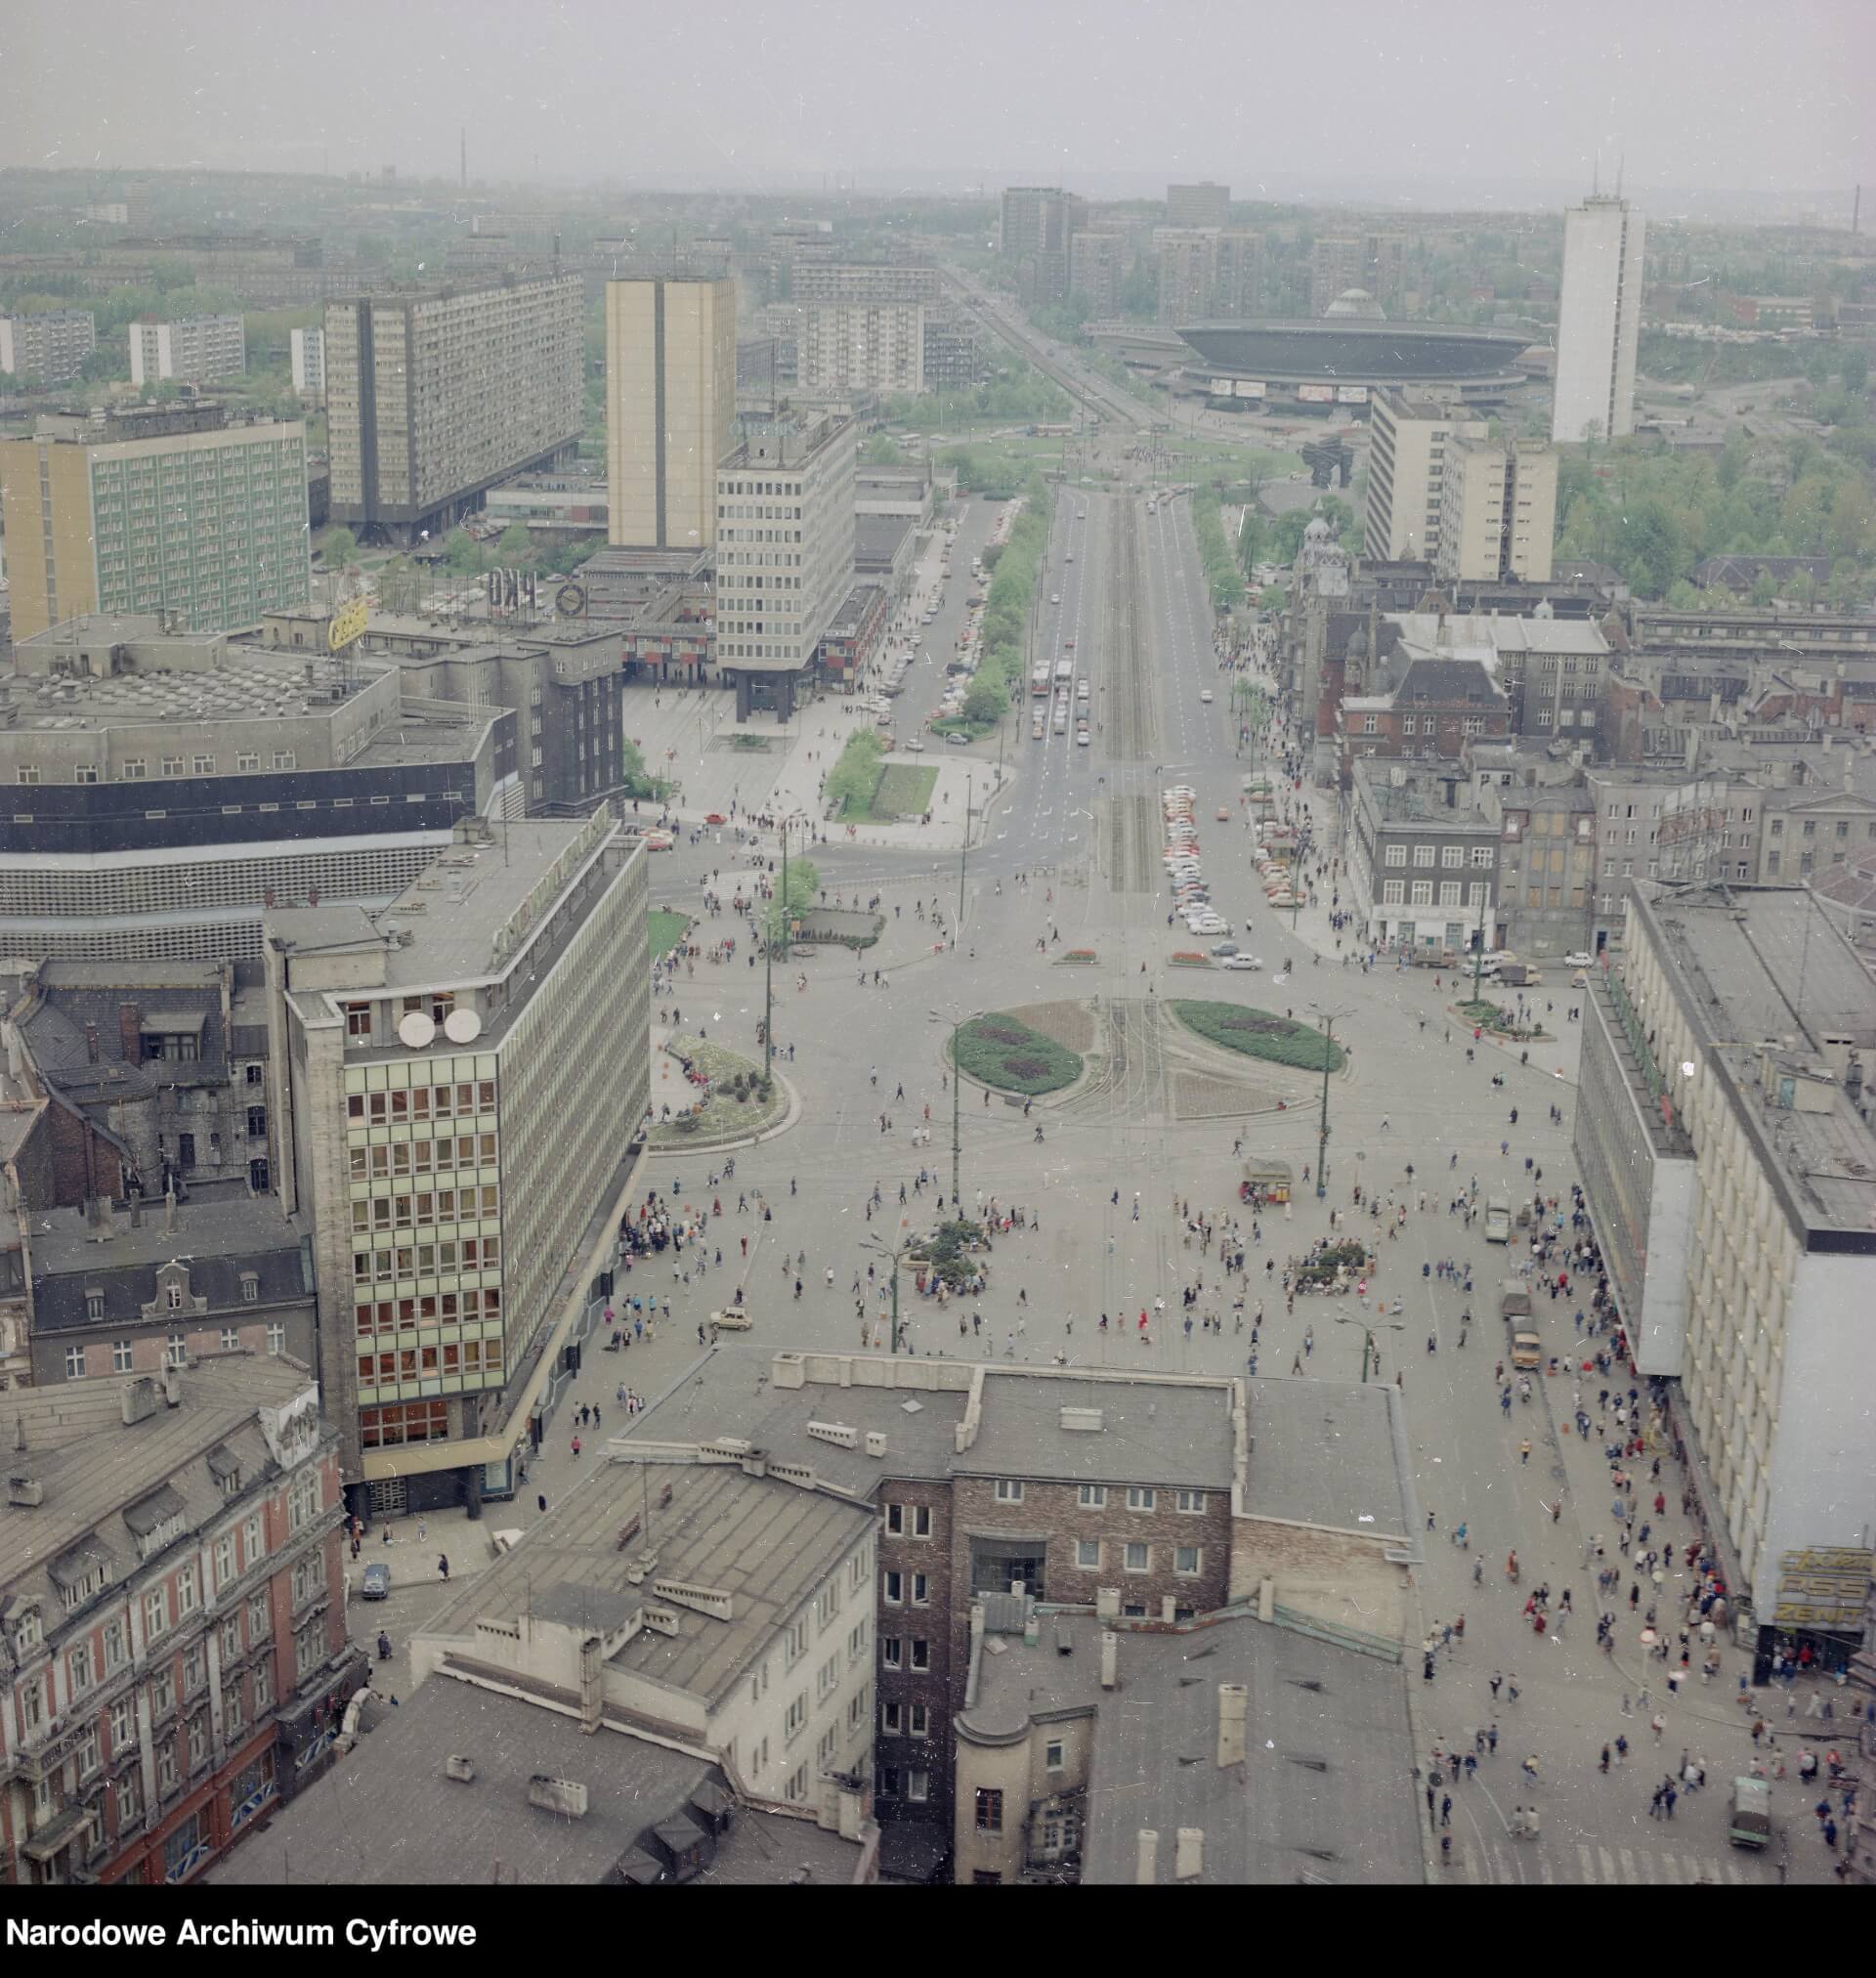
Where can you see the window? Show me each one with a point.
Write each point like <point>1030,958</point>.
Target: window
<point>116,1646</point>
<point>919,1720</point>
<point>1395,855</point>
<point>1008,1491</point>
<point>1481,854</point>
<point>1088,1554</point>
<point>894,1592</point>
<point>166,1778</point>
<point>251,1540</point>
<point>82,1674</point>
<point>917,1785</point>
<point>224,1559</point>
<point>174,1350</point>
<point>921,1521</point>
<point>896,1519</point>
<point>1138,1556</point>
<point>120,1357</point>
<point>74,1362</point>
<point>921,1590</point>
<point>130,1803</point>
<point>263,1685</point>
<point>156,1613</point>
<point>1191,1500</point>
<point>1141,1498</point>
<point>302,1500</point>
<point>797,1715</point>
<point>1369,724</point>
<point>920,1654</point>
<point>989,1810</point>
<point>1424,854</point>
<point>1393,892</point>
<point>1092,1496</point>
<point>1185,1560</point>
<point>891,1652</point>
<point>123,1724</point>
<point>1052,1754</point>
<point>892,1719</point>
<point>195,1668</point>
<point>1452,854</point>
<point>1422,892</point>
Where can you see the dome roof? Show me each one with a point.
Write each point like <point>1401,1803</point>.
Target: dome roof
<point>1316,530</point>
<point>1355,302</point>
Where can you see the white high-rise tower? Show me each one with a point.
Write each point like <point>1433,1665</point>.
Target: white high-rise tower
<point>1598,320</point>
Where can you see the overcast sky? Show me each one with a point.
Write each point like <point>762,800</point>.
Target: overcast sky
<point>1422,95</point>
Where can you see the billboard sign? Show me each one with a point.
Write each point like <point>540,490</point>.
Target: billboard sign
<point>1220,388</point>
<point>1251,388</point>
<point>1352,395</point>
<point>1316,395</point>
<point>347,623</point>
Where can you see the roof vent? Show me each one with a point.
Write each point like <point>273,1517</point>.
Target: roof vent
<point>1085,1421</point>
<point>141,1400</point>
<point>564,1797</point>
<point>26,1493</point>
<point>462,1770</point>
<point>837,1432</point>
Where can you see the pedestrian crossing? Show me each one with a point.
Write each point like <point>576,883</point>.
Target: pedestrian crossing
<point>1599,1867</point>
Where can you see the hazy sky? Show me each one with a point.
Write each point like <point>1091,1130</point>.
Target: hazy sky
<point>1769,94</point>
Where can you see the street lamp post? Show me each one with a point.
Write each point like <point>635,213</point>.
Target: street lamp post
<point>964,855</point>
<point>1370,1352</point>
<point>1322,1135</point>
<point>893,1256</point>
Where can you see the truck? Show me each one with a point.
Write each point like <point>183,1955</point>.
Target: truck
<point>1513,1300</point>
<point>1498,1220</point>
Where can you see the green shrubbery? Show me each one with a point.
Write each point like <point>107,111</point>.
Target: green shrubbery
<point>1000,1051</point>
<point>1222,576</point>
<point>1258,1034</point>
<point>854,778</point>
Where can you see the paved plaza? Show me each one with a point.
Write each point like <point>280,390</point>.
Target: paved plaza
<point>1064,854</point>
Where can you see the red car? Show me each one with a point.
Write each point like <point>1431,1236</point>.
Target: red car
<point>715,817</point>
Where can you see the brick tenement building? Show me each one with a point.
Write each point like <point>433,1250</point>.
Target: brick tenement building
<point>172,1618</point>
<point>1127,1495</point>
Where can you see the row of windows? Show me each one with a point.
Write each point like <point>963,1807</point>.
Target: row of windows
<point>1093,1497</point>
<point>166,885</point>
<point>1394,893</point>
<point>80,1358</point>
<point>1450,856</point>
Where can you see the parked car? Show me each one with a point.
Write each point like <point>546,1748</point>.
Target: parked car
<point>1578,957</point>
<point>1241,961</point>
<point>956,741</point>
<point>377,1582</point>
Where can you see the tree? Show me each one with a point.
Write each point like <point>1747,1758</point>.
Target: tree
<point>516,544</point>
<point>341,549</point>
<point>879,451</point>
<point>1855,369</point>
<point>1763,590</point>
<point>462,552</point>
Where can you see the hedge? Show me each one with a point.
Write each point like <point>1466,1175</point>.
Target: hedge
<point>998,1051</point>
<point>1257,1034</point>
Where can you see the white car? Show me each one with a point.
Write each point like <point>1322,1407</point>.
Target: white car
<point>1205,698</point>
<point>1081,737</point>
<point>1241,961</point>
<point>1578,958</point>
<point>1208,923</point>
<point>1055,598</point>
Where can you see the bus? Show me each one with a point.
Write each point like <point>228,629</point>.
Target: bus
<point>1064,671</point>
<point>1039,681</point>
<point>1498,1220</point>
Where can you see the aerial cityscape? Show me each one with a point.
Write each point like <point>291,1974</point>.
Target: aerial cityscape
<point>819,824</point>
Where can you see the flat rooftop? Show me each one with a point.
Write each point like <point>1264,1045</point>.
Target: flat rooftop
<point>1329,1454</point>
<point>765,1543</point>
<point>452,924</point>
<point>1479,634</point>
<point>1759,964</point>
<point>390,1814</point>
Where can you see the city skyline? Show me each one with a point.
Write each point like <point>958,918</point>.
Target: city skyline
<point>1125,104</point>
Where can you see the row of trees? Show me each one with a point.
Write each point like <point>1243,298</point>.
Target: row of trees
<point>1221,572</point>
<point>1013,584</point>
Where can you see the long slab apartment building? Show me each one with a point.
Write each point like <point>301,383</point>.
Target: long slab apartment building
<point>434,395</point>
<point>168,509</point>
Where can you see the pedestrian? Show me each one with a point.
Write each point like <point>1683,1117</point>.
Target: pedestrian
<point>443,1568</point>
<point>542,1502</point>
<point>1496,1679</point>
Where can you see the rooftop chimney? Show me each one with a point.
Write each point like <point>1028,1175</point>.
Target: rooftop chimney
<point>1235,1703</point>
<point>1110,1659</point>
<point>169,1209</point>
<point>1146,1858</point>
<point>91,1044</point>
<point>1189,1859</point>
<point>130,1030</point>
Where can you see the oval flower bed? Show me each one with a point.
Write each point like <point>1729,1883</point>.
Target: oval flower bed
<point>1185,958</point>
<point>1079,955</point>
<point>998,1051</point>
<point>1258,1034</point>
